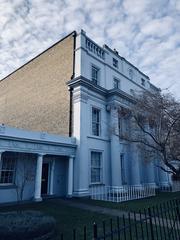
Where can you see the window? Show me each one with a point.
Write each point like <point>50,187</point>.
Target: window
<point>142,82</point>
<point>131,74</point>
<point>116,83</point>
<point>7,168</point>
<point>115,63</point>
<point>122,168</point>
<point>120,126</point>
<point>95,121</point>
<point>96,167</point>
<point>132,92</point>
<point>95,74</point>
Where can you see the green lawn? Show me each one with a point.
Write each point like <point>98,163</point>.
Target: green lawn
<point>134,205</point>
<point>69,218</point>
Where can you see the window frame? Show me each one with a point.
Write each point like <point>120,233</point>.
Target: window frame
<point>115,62</point>
<point>131,73</point>
<point>117,80</point>
<point>97,80</point>
<point>96,122</point>
<point>9,171</point>
<point>96,167</point>
<point>143,82</point>
<point>120,126</point>
<point>122,165</point>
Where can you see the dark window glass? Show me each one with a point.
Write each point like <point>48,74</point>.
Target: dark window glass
<point>96,167</point>
<point>95,122</point>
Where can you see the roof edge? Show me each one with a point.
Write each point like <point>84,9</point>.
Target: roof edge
<point>72,33</point>
<point>122,58</point>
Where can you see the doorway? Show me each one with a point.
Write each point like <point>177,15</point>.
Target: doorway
<point>44,179</point>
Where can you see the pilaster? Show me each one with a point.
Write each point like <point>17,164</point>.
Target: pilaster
<point>37,191</point>
<point>116,178</point>
<point>70,176</point>
<point>52,178</point>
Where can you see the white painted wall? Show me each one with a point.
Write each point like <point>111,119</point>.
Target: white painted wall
<point>60,176</point>
<point>85,58</point>
<point>84,98</point>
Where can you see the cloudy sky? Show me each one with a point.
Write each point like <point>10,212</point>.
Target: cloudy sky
<point>145,32</point>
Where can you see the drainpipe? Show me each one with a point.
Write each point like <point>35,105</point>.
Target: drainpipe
<point>71,89</point>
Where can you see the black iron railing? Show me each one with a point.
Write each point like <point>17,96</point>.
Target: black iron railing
<point>161,222</point>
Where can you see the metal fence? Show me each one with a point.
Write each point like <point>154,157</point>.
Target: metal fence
<point>161,222</point>
<point>122,193</point>
<point>174,187</point>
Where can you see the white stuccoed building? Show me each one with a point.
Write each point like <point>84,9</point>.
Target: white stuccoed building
<point>103,82</point>
<point>66,123</point>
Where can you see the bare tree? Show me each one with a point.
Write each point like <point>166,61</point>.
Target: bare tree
<point>24,176</point>
<point>155,127</point>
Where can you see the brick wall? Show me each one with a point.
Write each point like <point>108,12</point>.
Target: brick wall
<point>36,96</point>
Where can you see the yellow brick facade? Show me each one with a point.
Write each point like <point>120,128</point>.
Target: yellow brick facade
<point>36,97</point>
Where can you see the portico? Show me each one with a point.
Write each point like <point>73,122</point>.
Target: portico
<point>36,159</point>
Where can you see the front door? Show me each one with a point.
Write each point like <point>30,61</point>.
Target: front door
<point>44,180</point>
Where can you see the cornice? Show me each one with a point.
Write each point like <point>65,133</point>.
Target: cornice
<point>82,81</point>
<point>114,69</point>
<point>120,93</point>
<point>19,139</point>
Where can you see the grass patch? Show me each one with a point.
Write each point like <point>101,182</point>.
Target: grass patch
<point>134,205</point>
<point>67,218</point>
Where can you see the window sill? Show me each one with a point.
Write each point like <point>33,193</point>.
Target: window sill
<point>7,186</point>
<point>98,138</point>
<point>96,184</point>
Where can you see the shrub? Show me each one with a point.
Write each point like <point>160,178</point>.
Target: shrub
<point>29,225</point>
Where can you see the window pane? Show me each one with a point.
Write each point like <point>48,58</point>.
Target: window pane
<point>116,83</point>
<point>95,175</point>
<point>115,62</point>
<point>122,169</point>
<point>95,167</point>
<point>95,74</point>
<point>95,129</point>
<point>120,126</point>
<point>95,159</point>
<point>7,171</point>
<point>6,177</point>
<point>142,82</point>
<point>94,115</point>
<point>95,121</point>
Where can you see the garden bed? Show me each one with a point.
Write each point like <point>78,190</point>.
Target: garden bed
<point>29,225</point>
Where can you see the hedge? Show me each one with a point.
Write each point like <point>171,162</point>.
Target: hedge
<point>29,225</point>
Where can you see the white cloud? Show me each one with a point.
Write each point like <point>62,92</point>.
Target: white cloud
<point>145,32</point>
<point>135,7</point>
<point>158,27</point>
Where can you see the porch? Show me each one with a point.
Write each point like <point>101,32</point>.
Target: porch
<point>34,164</point>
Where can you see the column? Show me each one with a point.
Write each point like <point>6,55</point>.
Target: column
<point>1,152</point>
<point>80,132</point>
<point>163,177</point>
<point>151,173</point>
<point>136,156</point>
<point>70,176</point>
<point>135,165</point>
<point>116,178</point>
<point>52,178</point>
<point>37,191</point>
